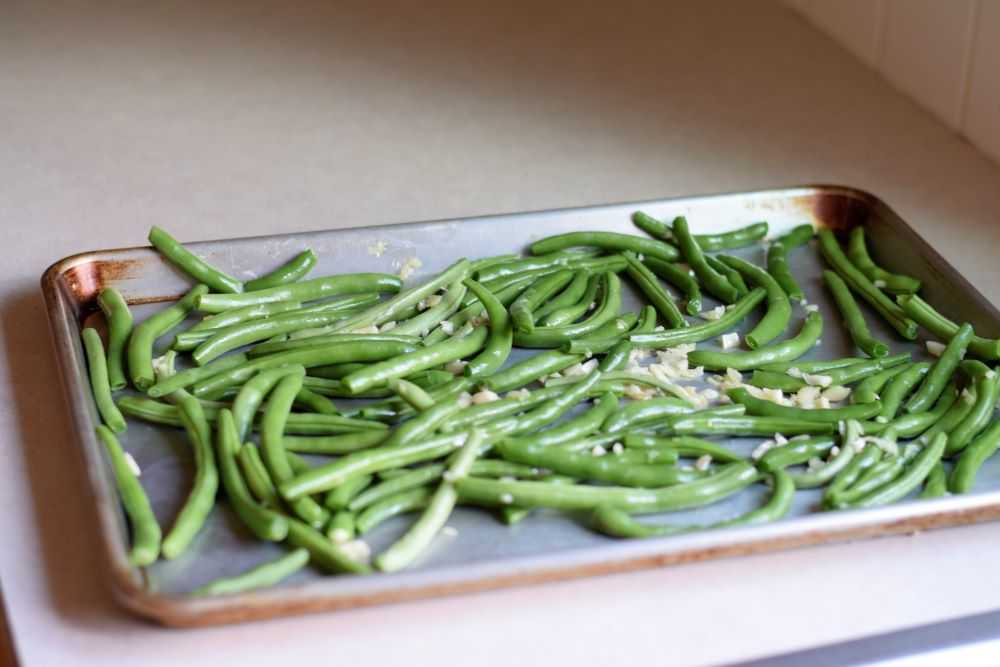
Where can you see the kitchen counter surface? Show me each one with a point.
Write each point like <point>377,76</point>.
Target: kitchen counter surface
<point>232,119</point>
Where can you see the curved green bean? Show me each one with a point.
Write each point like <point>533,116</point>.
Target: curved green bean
<point>522,310</point>
<point>403,502</point>
<point>779,310</point>
<point>894,283</point>
<point>987,393</point>
<point>262,576</point>
<point>323,551</point>
<point>715,283</point>
<point>777,259</point>
<point>255,474</point>
<point>679,278</point>
<point>580,426</point>
<point>640,412</point>
<point>99,384</point>
<point>144,335</point>
<point>945,329</point>
<point>119,319</point>
<point>899,388</point>
<point>795,452</point>
<point>145,530</point>
<point>764,408</point>
<point>748,426</point>
<point>307,290</point>
<point>501,337</point>
<point>702,332</point>
<point>737,238</point>
<point>940,372</point>
<point>340,496</point>
<point>555,336</point>
<point>936,484</point>
<point>610,241</point>
<point>191,264</point>
<point>913,476</point>
<point>868,389</point>
<point>292,271</point>
<point>729,273</point>
<point>963,476</point>
<point>569,296</point>
<point>655,294</point>
<point>786,350</point>
<point>853,317</point>
<point>334,444</point>
<point>683,445</point>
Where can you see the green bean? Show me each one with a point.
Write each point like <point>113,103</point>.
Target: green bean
<point>119,319</point>
<point>795,452</point>
<point>655,294</point>
<point>501,337</point>
<point>955,415</point>
<point>603,441</point>
<point>779,310</point>
<point>144,335</point>
<point>551,261</point>
<point>342,527</point>
<point>394,505</point>
<point>940,372</point>
<point>702,332</point>
<point>424,424</point>
<point>307,290</point>
<point>894,283</point>
<point>813,365</point>
<point>251,395</point>
<point>299,465</point>
<point>899,387</point>
<point>412,394</point>
<point>406,481</point>
<point>263,523</point>
<point>418,360</point>
<point>875,477</point>
<point>256,476</point>
<point>857,281</point>
<point>346,352</point>
<point>868,389</point>
<point>610,334</point>
<point>578,427</point>
<point>811,479</point>
<point>145,530</point>
<point>945,329</point>
<point>747,426</point>
<point>477,414</point>
<point>764,408</point>
<point>617,523</point>
<point>522,310</point>
<point>777,259</point>
<point>530,369</point>
<point>310,401</point>
<point>166,385</point>
<point>837,376</point>
<point>547,412</point>
<point>647,455</point>
<point>213,324</point>
<point>440,393</point>
<point>334,444</point>
<point>569,296</point>
<point>640,412</point>
<point>598,468</point>
<point>192,265</point>
<point>786,350</point>
<point>425,380</point>
<point>845,479</point>
<point>485,263</point>
<point>262,576</point>
<point>913,475</point>
<point>912,425</point>
<point>555,336</point>
<point>737,238</point>
<point>617,356</point>
<point>99,384</point>
<point>373,460</point>
<point>963,476</point>
<point>572,312</point>
<point>233,337</point>
<point>936,484</point>
<point>679,278</point>
<point>715,283</point>
<point>776,380</point>
<point>321,374</point>
<point>987,393</point>
<point>853,318</point>
<point>201,499</point>
<point>340,497</point>
<point>292,271</point>
<point>513,515</point>
<point>501,468</point>
<point>324,552</point>
<point>433,316</point>
<point>609,241</point>
<point>729,273</point>
<point>704,491</point>
<point>683,445</point>
<point>276,458</point>
<point>405,550</point>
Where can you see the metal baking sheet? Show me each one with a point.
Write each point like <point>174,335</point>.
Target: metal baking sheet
<point>484,553</point>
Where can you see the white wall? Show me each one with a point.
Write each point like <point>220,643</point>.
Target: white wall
<point>943,53</point>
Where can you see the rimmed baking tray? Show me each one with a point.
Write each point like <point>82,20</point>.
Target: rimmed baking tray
<point>484,553</point>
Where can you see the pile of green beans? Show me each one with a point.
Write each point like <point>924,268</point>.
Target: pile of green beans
<point>319,408</point>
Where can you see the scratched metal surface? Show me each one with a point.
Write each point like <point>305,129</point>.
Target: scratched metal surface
<point>484,553</point>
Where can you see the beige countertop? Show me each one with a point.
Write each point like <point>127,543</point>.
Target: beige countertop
<point>232,119</point>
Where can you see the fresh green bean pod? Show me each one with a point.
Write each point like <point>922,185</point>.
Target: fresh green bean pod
<point>307,290</point>
<point>786,350</point>
<point>522,265</point>
<point>852,472</point>
<point>703,491</point>
<point>617,356</point>
<point>747,426</point>
<point>779,310</point>
<point>252,394</point>
<point>501,337</point>
<point>655,294</point>
<point>119,319</point>
<point>403,502</point>
<point>683,445</point>
<point>433,316</point>
<point>144,335</point>
<point>940,372</point>
<point>415,396</point>
<point>963,476</point>
<point>546,413</point>
<point>702,332</point>
<point>936,484</point>
<point>340,496</point>
<point>853,317</point>
<point>276,458</point>
<point>617,523</point>
<point>267,574</point>
<point>679,278</point>
<point>777,259</point>
<point>323,551</point>
<point>868,389</point>
<point>580,426</point>
<point>640,412</point>
<point>405,481</point>
<point>912,477</point>
<point>729,273</point>
<point>99,384</point>
<point>714,282</point>
<point>530,369</point>
<point>912,425</point>
<point>987,393</point>
<point>812,479</point>
<point>255,474</point>
<point>569,296</point>
<point>899,388</point>
<point>522,313</point>
<point>939,325</point>
<point>609,241</point>
<point>555,336</point>
<point>737,238</point>
<point>292,271</point>
<point>191,264</point>
<point>813,365</point>
<point>764,408</point>
<point>795,452</point>
<point>342,527</point>
<point>894,283</point>
<point>334,444</point>
<point>857,281</point>
<point>145,530</point>
<point>201,499</point>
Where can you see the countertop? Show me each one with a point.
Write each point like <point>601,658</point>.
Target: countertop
<point>232,119</point>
